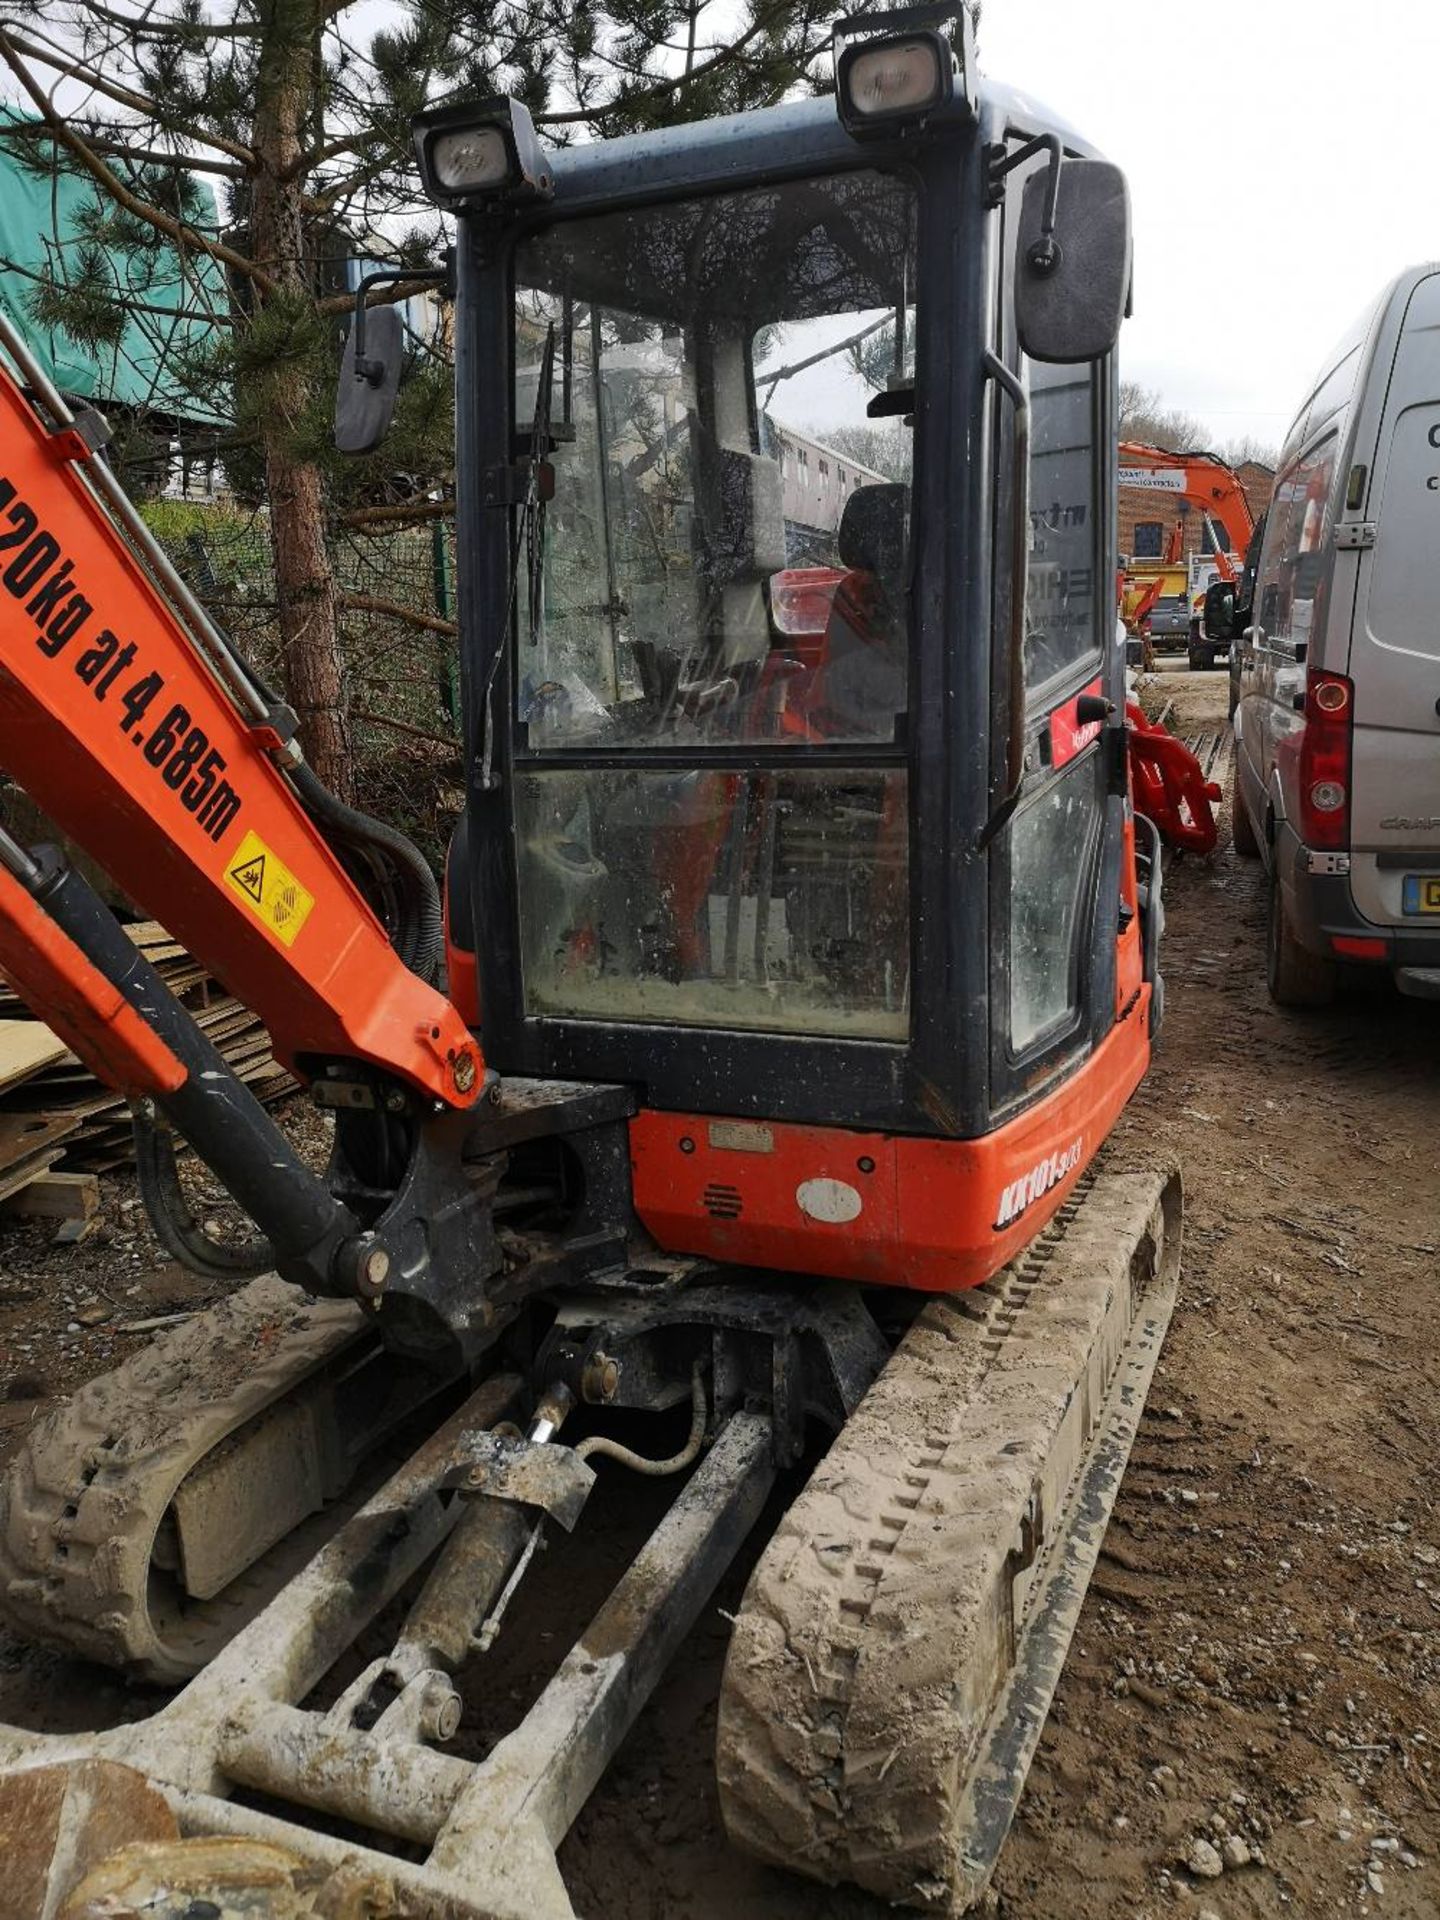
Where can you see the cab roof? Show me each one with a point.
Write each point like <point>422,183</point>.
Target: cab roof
<point>798,136</point>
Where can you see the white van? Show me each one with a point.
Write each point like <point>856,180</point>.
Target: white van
<point>1337,726</point>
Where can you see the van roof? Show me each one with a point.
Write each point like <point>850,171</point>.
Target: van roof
<point>1360,330</point>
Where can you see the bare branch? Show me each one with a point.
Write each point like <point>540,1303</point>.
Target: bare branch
<point>773,376</point>
<point>392,609</point>
<point>326,200</point>
<point>69,68</point>
<point>406,511</point>
<point>174,29</point>
<point>332,149</point>
<point>153,157</point>
<point>451,741</point>
<point>112,184</point>
<point>377,297</point>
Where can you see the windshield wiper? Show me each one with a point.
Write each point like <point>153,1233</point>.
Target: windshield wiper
<point>529,540</point>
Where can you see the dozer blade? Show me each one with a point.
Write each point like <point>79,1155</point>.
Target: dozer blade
<point>901,1639</point>
<point>481,1835</point>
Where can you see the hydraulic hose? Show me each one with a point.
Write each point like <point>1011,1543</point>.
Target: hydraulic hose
<point>599,1443</point>
<point>309,1229</point>
<point>175,1226</point>
<point>389,868</point>
<point>420,921</point>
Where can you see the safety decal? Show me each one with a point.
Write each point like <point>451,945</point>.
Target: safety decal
<point>266,885</point>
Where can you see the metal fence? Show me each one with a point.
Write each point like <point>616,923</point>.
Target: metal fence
<point>402,672</point>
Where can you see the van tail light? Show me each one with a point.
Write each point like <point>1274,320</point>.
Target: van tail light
<point>1324,766</point>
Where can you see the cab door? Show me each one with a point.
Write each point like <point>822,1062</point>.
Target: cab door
<point>1055,868</point>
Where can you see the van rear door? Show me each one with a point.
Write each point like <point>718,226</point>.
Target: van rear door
<point>1395,639</point>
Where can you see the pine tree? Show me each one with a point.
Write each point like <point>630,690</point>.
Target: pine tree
<point>298,117</point>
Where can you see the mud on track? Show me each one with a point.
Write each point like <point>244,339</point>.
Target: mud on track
<point>1261,1645</point>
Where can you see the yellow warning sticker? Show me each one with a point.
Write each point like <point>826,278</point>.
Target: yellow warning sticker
<point>266,884</point>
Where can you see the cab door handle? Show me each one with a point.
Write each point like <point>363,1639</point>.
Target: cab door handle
<point>1014,390</point>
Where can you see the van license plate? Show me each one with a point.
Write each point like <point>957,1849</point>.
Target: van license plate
<point>1422,893</point>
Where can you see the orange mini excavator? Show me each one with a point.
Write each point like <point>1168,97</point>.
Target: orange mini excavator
<point>1201,480</point>
<point>744,1113</point>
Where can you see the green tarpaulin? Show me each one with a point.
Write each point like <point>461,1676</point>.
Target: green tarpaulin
<point>40,220</point>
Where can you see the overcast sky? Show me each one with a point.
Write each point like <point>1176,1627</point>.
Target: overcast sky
<point>1282,158</point>
<point>1283,164</point>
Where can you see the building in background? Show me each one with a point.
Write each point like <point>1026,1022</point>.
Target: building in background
<point>47,221</point>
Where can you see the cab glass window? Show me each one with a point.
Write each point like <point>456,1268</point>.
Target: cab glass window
<point>776,902</point>
<point>1334,392</point>
<point>1061,601</point>
<point>1052,838</point>
<point>725,385</point>
<point>1293,567</point>
<point>725,555</point>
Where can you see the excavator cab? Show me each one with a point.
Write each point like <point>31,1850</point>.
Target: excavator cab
<point>800,952</point>
<point>865,880</point>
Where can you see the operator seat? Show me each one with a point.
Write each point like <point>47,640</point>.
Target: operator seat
<point>864,676</point>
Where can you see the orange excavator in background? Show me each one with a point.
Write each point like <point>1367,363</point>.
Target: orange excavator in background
<point>741,1113</point>
<point>1201,480</point>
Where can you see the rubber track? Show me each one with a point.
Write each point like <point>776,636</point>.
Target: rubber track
<point>83,1499</point>
<point>883,1618</point>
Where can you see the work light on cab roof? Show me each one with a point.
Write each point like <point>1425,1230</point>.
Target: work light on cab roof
<point>480,149</point>
<point>911,66</point>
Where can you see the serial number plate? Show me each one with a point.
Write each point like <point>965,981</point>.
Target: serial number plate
<point>1421,893</point>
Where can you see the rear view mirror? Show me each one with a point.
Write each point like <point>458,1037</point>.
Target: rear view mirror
<point>369,379</point>
<point>1220,610</point>
<point>1072,282</point>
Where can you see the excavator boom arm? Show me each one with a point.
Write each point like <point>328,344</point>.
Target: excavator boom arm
<point>1202,481</point>
<point>143,739</point>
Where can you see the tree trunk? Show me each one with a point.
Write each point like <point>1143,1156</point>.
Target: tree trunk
<point>304,579</point>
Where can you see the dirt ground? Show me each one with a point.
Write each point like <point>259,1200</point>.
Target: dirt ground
<point>1258,1658</point>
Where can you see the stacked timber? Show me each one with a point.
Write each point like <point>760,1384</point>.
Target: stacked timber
<point>52,1107</point>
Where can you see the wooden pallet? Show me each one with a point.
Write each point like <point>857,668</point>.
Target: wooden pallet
<point>52,1107</point>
